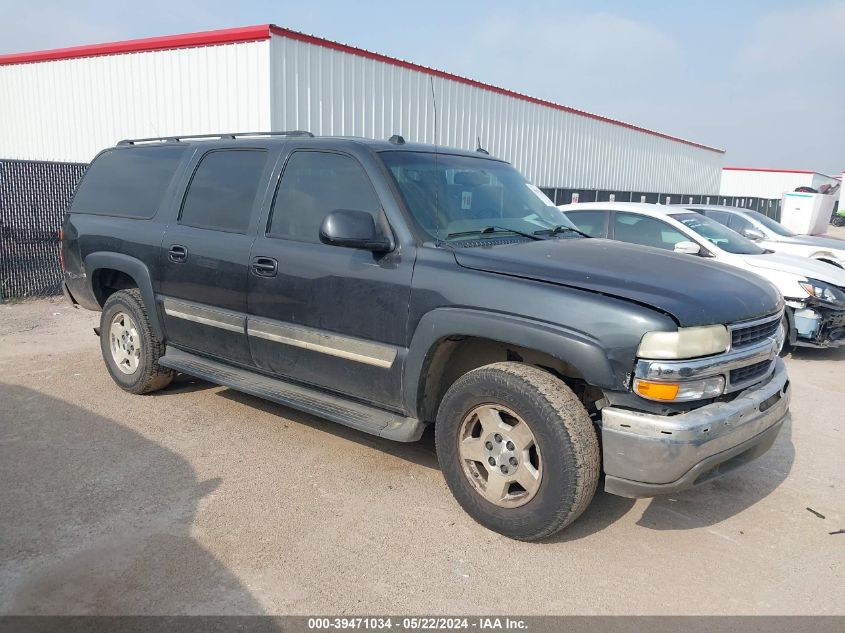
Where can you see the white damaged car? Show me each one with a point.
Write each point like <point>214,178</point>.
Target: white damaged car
<point>774,236</point>
<point>814,291</point>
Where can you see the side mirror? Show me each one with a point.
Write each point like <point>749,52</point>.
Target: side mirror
<point>353,229</point>
<point>687,248</point>
<point>755,235</point>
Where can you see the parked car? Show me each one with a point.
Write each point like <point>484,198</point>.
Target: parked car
<point>389,286</point>
<point>774,236</point>
<point>814,291</point>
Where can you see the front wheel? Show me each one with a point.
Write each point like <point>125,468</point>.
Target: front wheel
<point>788,333</point>
<point>518,450</point>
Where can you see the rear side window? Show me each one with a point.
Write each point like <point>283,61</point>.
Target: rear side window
<point>313,185</point>
<point>739,223</point>
<point>720,216</point>
<point>129,183</point>
<point>593,223</point>
<point>641,229</point>
<point>223,189</point>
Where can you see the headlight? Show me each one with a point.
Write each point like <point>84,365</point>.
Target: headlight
<point>686,342</point>
<point>680,391</point>
<point>823,291</point>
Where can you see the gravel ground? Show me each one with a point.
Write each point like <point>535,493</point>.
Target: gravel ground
<point>201,500</point>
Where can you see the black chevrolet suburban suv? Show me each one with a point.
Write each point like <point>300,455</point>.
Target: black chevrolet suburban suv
<point>388,286</point>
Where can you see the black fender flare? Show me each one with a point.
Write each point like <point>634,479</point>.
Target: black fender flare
<point>136,269</point>
<point>791,334</point>
<point>576,348</point>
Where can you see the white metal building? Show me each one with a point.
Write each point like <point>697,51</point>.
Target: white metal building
<point>769,183</point>
<point>67,104</point>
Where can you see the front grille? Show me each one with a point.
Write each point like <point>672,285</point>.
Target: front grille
<point>745,336</point>
<point>750,372</point>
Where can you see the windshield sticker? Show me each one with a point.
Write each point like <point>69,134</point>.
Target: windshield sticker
<point>466,200</point>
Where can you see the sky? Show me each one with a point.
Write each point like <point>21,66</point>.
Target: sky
<point>763,80</point>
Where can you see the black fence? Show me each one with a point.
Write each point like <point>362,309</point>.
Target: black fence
<point>769,207</point>
<point>33,197</point>
<point>565,196</point>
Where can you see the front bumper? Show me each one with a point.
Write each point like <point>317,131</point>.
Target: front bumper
<point>818,323</point>
<point>646,455</point>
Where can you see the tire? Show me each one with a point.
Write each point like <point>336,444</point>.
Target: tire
<point>565,457</point>
<point>838,220</point>
<point>788,334</point>
<point>137,348</point>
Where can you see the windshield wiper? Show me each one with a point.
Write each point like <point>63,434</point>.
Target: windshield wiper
<point>494,229</point>
<point>560,228</point>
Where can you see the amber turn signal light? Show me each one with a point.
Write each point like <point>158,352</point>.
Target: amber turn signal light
<point>657,390</point>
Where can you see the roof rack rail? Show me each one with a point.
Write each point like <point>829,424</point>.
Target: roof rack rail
<point>226,136</point>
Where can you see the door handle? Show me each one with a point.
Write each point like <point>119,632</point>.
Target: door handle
<point>265,266</point>
<point>178,253</point>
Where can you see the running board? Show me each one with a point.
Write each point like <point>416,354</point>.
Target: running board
<point>353,414</point>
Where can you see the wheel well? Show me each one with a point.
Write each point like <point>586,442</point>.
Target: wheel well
<point>452,357</point>
<point>106,281</point>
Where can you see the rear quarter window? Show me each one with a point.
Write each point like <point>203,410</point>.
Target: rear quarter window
<point>128,183</point>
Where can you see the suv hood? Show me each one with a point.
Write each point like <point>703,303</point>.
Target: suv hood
<point>795,265</point>
<point>692,290</point>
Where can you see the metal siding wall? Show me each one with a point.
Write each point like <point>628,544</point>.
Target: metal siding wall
<point>553,148</point>
<point>68,110</point>
<point>761,184</point>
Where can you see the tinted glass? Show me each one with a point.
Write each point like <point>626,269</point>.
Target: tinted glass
<point>719,235</point>
<point>456,197</point>
<point>313,185</point>
<point>593,223</point>
<point>739,223</point>
<point>641,229</point>
<point>128,182</point>
<point>223,189</point>
<point>770,224</point>
<point>720,216</point>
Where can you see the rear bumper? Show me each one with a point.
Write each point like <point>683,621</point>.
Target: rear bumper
<point>646,455</point>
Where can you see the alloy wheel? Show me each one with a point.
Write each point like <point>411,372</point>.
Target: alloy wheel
<point>125,343</point>
<point>500,456</point>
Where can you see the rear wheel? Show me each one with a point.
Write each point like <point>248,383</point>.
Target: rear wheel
<point>130,349</point>
<point>518,450</point>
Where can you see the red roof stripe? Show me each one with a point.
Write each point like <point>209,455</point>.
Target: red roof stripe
<point>188,40</point>
<point>263,31</point>
<point>776,171</point>
<point>780,171</point>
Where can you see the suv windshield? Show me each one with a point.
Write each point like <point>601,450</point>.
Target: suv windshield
<point>462,197</point>
<point>769,223</point>
<point>718,235</point>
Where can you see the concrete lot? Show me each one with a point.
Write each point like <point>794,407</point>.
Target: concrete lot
<point>199,499</point>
